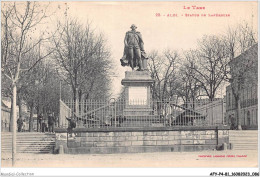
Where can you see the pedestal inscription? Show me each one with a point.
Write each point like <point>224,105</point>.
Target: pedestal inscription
<point>137,95</point>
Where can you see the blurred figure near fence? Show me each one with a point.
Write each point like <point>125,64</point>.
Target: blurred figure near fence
<point>40,118</point>
<point>19,124</point>
<point>51,122</point>
<point>72,124</point>
<point>44,127</point>
<point>232,122</point>
<point>23,126</point>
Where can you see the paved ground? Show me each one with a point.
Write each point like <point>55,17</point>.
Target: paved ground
<point>162,159</point>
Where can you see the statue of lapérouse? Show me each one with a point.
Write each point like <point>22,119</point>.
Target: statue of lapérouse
<point>134,54</point>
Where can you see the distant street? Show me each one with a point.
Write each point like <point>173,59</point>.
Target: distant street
<point>163,159</point>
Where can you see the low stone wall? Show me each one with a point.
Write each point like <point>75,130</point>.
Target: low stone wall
<point>153,139</point>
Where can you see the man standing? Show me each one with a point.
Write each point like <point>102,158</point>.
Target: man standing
<point>50,122</point>
<point>20,124</point>
<point>232,122</point>
<point>72,124</point>
<point>40,118</point>
<point>24,126</point>
<point>134,49</point>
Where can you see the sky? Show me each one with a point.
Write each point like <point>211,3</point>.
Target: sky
<point>114,19</point>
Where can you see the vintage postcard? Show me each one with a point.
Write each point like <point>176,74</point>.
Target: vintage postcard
<point>129,84</point>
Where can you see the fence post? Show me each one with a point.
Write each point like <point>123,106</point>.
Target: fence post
<point>115,112</point>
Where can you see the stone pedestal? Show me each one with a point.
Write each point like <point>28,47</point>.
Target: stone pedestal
<point>138,96</point>
<point>137,90</point>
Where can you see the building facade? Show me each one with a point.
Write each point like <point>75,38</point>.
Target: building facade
<point>5,118</point>
<point>6,114</point>
<point>248,95</point>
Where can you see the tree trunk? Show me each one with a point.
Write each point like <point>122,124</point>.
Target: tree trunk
<point>77,103</point>
<point>74,100</point>
<point>211,97</point>
<point>31,119</point>
<point>38,119</point>
<point>11,116</point>
<point>238,114</point>
<point>20,106</point>
<point>14,125</point>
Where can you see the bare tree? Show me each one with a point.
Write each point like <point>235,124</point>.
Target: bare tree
<point>238,40</point>
<point>41,90</point>
<point>162,69</point>
<point>209,64</point>
<point>186,86</point>
<point>19,23</point>
<point>83,59</point>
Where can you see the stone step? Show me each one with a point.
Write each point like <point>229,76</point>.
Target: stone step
<point>26,149</point>
<point>28,139</point>
<point>245,136</point>
<point>248,140</point>
<point>243,131</point>
<point>27,134</point>
<point>246,147</point>
<point>32,141</point>
<point>31,145</point>
<point>33,152</point>
<point>239,142</point>
<point>244,140</point>
<point>29,142</point>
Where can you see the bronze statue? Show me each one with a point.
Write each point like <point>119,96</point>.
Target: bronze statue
<point>134,54</point>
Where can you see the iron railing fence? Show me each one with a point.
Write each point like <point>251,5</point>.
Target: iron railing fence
<point>123,113</point>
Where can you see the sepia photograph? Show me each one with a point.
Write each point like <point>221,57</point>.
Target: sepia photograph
<point>129,85</point>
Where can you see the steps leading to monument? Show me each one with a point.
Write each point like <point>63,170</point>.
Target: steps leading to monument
<point>27,142</point>
<point>244,139</point>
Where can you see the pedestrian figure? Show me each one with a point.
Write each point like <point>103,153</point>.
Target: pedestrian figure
<point>40,118</point>
<point>50,122</point>
<point>232,127</point>
<point>20,124</point>
<point>23,126</point>
<point>72,124</point>
<point>44,127</point>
